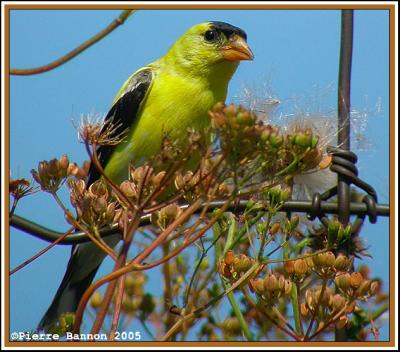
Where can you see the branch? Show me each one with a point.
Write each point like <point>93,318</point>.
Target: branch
<point>67,57</point>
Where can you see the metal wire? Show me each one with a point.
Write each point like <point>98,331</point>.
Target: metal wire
<point>46,234</point>
<point>346,51</point>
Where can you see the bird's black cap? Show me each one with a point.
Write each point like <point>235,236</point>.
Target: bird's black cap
<point>228,29</point>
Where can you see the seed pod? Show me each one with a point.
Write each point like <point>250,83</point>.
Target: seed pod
<point>300,267</point>
<point>310,262</point>
<point>258,285</point>
<point>230,110</point>
<point>229,257</point>
<point>64,162</point>
<point>218,107</point>
<point>374,288</point>
<point>274,228</point>
<point>288,287</point>
<point>328,259</point>
<point>281,283</point>
<point>129,189</point>
<point>53,168</point>
<point>317,259</point>
<point>72,169</point>
<point>232,326</point>
<point>156,179</point>
<point>341,263</point>
<point>342,281</point>
<point>337,302</point>
<point>289,266</point>
<point>241,263</point>
<point>96,300</point>
<point>326,297</point>
<point>224,270</point>
<point>356,279</point>
<point>309,299</point>
<point>271,282</point>
<point>304,310</point>
<point>364,288</point>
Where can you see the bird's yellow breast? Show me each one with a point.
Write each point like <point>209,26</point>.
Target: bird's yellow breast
<point>172,105</point>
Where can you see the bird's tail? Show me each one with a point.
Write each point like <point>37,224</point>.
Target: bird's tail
<point>82,267</point>
<point>67,297</point>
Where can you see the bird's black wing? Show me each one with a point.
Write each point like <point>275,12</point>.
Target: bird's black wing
<point>122,114</point>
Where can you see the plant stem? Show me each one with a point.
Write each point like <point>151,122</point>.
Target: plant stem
<point>238,313</point>
<point>231,297</point>
<point>296,311</point>
<point>117,306</point>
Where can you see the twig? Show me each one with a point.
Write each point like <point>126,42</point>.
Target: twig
<point>14,206</point>
<point>67,57</point>
<point>30,260</point>
<point>117,307</point>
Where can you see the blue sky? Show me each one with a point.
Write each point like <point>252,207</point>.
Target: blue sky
<point>296,55</point>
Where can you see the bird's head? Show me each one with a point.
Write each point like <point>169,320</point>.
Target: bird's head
<point>211,45</point>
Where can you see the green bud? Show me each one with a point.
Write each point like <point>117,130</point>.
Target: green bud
<point>261,229</point>
<point>314,141</point>
<point>294,222</point>
<point>344,234</point>
<point>275,140</point>
<point>302,139</point>
<point>285,195</point>
<point>265,135</point>
<point>333,230</point>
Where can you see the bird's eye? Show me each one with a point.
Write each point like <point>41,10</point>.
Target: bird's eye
<point>210,35</point>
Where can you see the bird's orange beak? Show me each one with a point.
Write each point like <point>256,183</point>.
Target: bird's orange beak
<point>237,50</point>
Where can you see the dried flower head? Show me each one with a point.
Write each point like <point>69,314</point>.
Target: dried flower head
<point>79,172</point>
<point>167,215</point>
<point>271,288</point>
<point>232,266</point>
<point>327,264</point>
<point>21,187</point>
<point>94,206</point>
<point>51,174</point>
<point>95,130</point>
